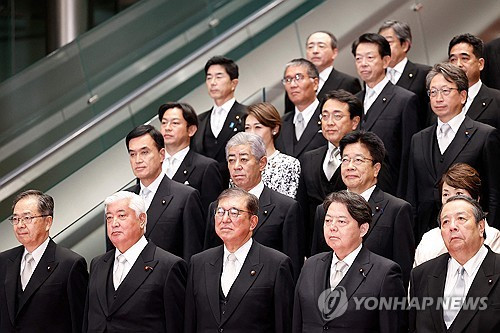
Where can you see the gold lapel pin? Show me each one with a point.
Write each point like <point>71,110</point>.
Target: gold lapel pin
<point>252,273</point>
<point>148,268</point>
<point>410,75</point>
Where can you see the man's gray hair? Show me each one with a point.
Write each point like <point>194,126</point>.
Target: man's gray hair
<point>312,71</point>
<point>401,29</point>
<point>477,210</point>
<point>257,145</point>
<point>451,73</point>
<point>135,202</point>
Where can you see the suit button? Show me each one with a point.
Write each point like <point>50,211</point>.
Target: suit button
<point>114,296</point>
<point>325,328</point>
<point>223,312</point>
<point>221,330</point>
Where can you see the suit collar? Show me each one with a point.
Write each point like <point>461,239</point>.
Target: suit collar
<point>313,127</point>
<point>408,75</point>
<point>428,136</point>
<point>266,207</point>
<point>378,203</point>
<point>11,278</point>
<point>185,169</point>
<point>480,103</point>
<point>102,269</point>
<point>378,107</point>
<point>435,289</point>
<point>321,274</point>
<point>213,271</point>
<point>161,200</point>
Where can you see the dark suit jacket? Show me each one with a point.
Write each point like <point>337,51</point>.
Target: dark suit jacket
<point>428,280</point>
<point>233,124</point>
<point>337,80</point>
<point>311,138</point>
<point>260,299</point>
<point>485,107</point>
<point>54,298</point>
<point>390,234</point>
<point>476,144</point>
<point>394,118</point>
<point>413,79</point>
<point>490,75</point>
<point>203,174</point>
<point>149,299</point>
<point>280,227</point>
<point>175,219</point>
<point>369,276</point>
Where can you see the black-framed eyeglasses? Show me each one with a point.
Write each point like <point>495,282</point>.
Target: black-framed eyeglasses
<point>445,91</point>
<point>358,160</point>
<point>233,212</point>
<point>15,220</point>
<point>299,77</point>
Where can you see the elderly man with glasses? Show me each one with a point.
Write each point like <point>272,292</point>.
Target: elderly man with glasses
<point>43,285</point>
<point>240,285</point>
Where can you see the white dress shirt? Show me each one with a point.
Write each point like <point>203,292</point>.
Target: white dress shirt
<point>131,255</point>
<point>371,94</point>
<point>257,189</point>
<point>37,255</point>
<point>171,163</point>
<point>241,255</point>
<point>326,161</point>
<point>454,123</point>
<point>219,115</point>
<point>153,187</point>
<point>397,70</point>
<point>323,76</point>
<point>368,193</point>
<point>349,259</point>
<point>471,94</point>
<point>307,113</point>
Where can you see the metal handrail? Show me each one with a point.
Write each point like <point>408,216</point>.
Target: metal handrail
<point>137,93</point>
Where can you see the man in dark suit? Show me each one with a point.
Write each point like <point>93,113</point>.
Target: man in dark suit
<point>401,71</point>
<point>280,223</point>
<point>391,233</point>
<point>175,213</point>
<point>343,277</point>
<point>138,287</point>
<point>391,112</point>
<point>178,125</point>
<point>458,291</point>
<point>341,113</point>
<point>454,138</point>
<point>321,50</point>
<point>301,130</point>
<point>224,120</point>
<point>240,286</point>
<point>483,103</point>
<point>42,285</point>
<point>491,72</point>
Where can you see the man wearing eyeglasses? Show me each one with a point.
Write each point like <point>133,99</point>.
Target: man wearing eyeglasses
<point>390,111</point>
<point>301,130</point>
<point>240,286</point>
<point>43,285</point>
<point>341,113</point>
<point>390,234</point>
<point>454,138</point>
<point>280,223</point>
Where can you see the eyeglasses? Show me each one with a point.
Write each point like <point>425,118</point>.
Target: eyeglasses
<point>358,160</point>
<point>15,220</point>
<point>335,116</point>
<point>233,212</point>
<point>299,77</point>
<point>445,91</point>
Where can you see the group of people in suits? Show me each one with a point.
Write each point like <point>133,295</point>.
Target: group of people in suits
<point>187,253</point>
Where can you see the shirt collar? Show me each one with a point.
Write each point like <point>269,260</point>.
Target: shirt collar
<point>349,259</point>
<point>241,253</point>
<point>180,155</point>
<point>134,251</point>
<point>325,73</point>
<point>454,122</point>
<point>226,106</point>
<point>474,90</point>
<point>308,112</point>
<point>400,66</point>
<point>378,87</point>
<point>38,252</point>
<point>153,187</point>
<point>472,264</point>
<point>368,193</point>
<point>257,189</point>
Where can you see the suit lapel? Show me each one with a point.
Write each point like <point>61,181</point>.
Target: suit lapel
<point>377,204</point>
<point>463,136</point>
<point>479,104</point>
<point>321,275</point>
<point>213,271</point>
<point>160,202</point>
<point>435,289</point>
<point>185,169</point>
<point>408,76</point>
<point>483,283</point>
<point>313,126</point>
<point>231,126</point>
<point>43,270</point>
<point>11,277</point>
<point>332,83</point>
<point>288,133</point>
<point>318,171</point>
<point>265,208</point>
<point>197,142</point>
<point>357,272</point>
<point>135,277</point>
<point>378,106</point>
<point>248,274</point>
<point>101,272</point>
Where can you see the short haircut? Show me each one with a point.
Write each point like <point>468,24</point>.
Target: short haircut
<point>462,175</point>
<point>187,112</point>
<point>476,43</point>
<point>333,39</point>
<point>135,202</point>
<point>477,211</point>
<point>384,49</point>
<point>354,104</point>
<point>143,130</point>
<point>369,139</point>
<point>266,114</point>
<point>401,30</point>
<point>257,146</point>
<point>45,201</point>
<point>251,201</point>
<point>311,69</point>
<point>357,207</point>
<point>228,64</point>
<point>451,73</point>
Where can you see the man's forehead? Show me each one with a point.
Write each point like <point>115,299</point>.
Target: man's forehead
<point>295,69</point>
<point>456,208</point>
